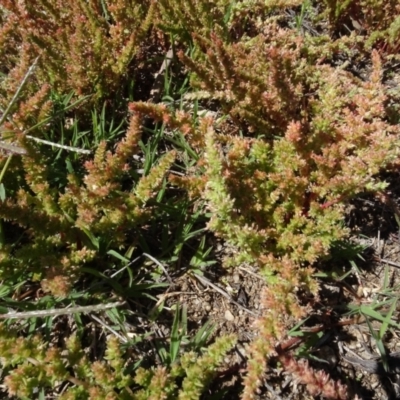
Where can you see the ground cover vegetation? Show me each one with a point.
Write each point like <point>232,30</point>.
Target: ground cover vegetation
<point>138,134</point>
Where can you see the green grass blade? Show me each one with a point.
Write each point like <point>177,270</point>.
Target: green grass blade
<point>387,319</point>
<point>175,336</point>
<point>368,311</point>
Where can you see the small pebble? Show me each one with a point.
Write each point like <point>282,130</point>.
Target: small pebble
<point>375,384</point>
<point>229,316</point>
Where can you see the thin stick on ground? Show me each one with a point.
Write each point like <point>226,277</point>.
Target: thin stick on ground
<point>206,282</point>
<point>61,311</point>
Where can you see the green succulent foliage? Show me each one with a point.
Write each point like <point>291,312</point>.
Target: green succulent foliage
<point>89,181</point>
<point>33,365</point>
